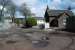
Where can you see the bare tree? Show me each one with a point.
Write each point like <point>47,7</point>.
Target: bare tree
<point>3,3</point>
<point>9,5</point>
<point>25,10</point>
<point>11,11</point>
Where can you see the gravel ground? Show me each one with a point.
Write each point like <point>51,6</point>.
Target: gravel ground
<point>15,39</point>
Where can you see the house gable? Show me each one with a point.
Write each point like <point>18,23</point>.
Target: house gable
<point>63,14</point>
<point>56,13</point>
<point>62,19</point>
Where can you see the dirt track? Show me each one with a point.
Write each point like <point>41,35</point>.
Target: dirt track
<point>19,42</point>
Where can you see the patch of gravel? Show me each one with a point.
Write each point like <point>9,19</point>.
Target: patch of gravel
<point>3,35</point>
<point>15,37</point>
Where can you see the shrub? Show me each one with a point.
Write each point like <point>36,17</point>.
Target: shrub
<point>70,24</point>
<point>17,21</point>
<point>31,22</point>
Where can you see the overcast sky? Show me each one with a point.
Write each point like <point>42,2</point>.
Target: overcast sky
<point>38,6</point>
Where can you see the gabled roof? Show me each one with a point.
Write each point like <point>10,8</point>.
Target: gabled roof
<point>54,13</point>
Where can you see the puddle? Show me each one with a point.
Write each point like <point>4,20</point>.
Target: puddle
<point>40,44</point>
<point>10,42</point>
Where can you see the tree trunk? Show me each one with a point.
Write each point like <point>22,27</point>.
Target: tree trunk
<point>13,19</point>
<point>1,15</point>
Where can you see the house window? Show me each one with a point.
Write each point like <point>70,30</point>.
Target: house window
<point>64,21</point>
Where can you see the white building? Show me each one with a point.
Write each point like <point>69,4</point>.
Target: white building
<point>40,20</point>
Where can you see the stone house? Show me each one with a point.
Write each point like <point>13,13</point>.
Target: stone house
<point>57,18</point>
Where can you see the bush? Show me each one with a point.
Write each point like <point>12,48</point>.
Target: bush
<point>31,22</point>
<point>70,24</point>
<point>17,21</point>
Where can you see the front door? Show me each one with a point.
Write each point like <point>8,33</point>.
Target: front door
<point>54,23</point>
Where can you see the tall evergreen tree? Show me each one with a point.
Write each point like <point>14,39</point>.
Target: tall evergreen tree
<point>46,15</point>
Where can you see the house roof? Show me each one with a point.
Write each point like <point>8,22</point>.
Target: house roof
<point>54,13</point>
<point>39,18</point>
